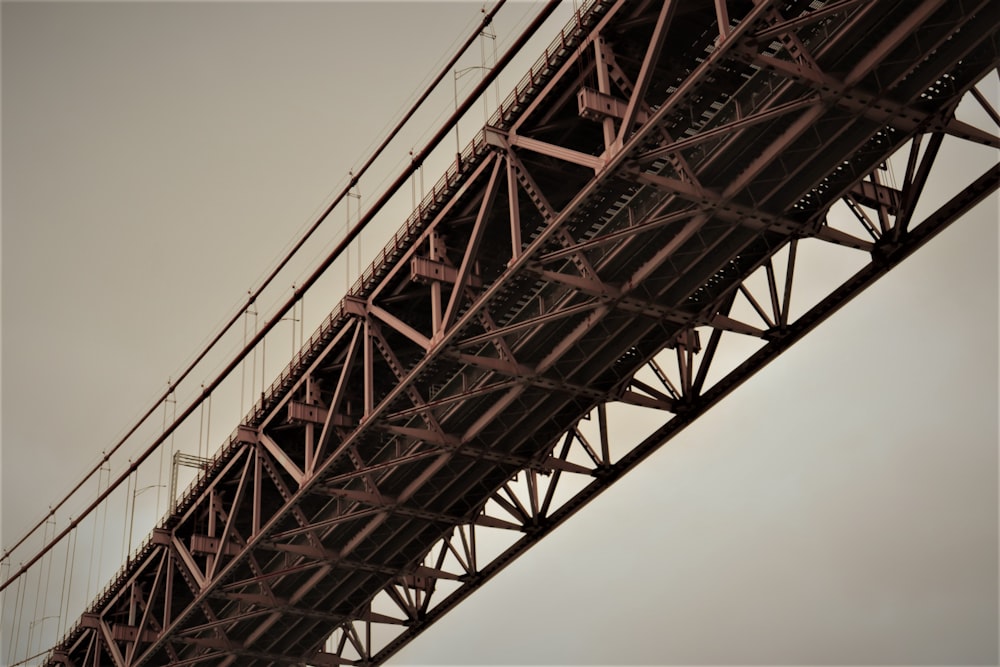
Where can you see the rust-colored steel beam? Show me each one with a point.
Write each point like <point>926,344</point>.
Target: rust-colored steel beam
<point>578,262</point>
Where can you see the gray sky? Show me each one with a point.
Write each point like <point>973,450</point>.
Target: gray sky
<point>840,508</point>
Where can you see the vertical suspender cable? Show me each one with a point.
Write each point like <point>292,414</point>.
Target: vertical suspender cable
<point>38,594</point>
<point>161,484</point>
<point>347,230</point>
<point>295,309</point>
<point>201,423</point>
<point>126,524</point>
<point>90,562</point>
<point>4,597</point>
<point>243,371</point>
<point>361,265</point>
<point>172,498</point>
<point>104,530</point>
<point>413,188</point>
<point>66,590</point>
<point>16,623</point>
<point>208,426</point>
<point>45,594</point>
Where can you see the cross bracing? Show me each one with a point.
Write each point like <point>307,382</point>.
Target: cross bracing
<point>600,245</point>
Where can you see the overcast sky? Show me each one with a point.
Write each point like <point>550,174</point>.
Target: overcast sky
<point>840,508</point>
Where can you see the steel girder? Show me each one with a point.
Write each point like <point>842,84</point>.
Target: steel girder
<point>637,205</point>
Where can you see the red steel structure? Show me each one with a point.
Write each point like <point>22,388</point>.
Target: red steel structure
<point>657,170</point>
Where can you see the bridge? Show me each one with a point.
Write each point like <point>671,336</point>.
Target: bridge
<point>639,208</point>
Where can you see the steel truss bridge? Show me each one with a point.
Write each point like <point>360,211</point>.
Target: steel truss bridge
<point>635,206</point>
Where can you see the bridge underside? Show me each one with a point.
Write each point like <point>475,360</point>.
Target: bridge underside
<point>640,202</point>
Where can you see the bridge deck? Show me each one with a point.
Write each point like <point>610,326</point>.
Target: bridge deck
<point>617,204</point>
